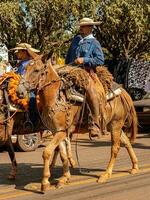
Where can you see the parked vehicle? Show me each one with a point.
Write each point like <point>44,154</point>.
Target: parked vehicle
<point>30,142</point>
<point>143,111</point>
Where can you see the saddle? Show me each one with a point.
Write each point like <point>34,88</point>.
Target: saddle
<point>77,94</point>
<point>74,95</point>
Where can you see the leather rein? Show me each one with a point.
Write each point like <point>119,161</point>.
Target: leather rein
<point>38,87</point>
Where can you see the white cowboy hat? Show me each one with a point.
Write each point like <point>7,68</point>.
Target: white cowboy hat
<point>24,46</point>
<point>88,22</point>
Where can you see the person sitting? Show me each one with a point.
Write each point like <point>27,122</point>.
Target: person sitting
<point>88,54</point>
<point>24,56</point>
<point>71,54</point>
<point>24,53</point>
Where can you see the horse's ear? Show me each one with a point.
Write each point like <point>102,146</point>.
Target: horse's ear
<point>49,62</point>
<point>44,58</point>
<point>32,54</point>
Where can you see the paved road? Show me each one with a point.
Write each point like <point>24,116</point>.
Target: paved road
<point>93,158</point>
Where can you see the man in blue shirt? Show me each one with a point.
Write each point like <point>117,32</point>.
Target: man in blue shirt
<point>24,56</point>
<point>71,54</point>
<point>88,54</point>
<point>22,52</point>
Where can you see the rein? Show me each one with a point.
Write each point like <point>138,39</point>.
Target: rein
<point>39,88</point>
<point>43,73</point>
<point>50,82</point>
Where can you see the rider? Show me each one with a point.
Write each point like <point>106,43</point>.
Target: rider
<point>88,54</point>
<point>24,53</point>
<point>71,54</point>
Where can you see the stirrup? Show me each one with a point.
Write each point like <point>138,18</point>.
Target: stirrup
<point>74,95</point>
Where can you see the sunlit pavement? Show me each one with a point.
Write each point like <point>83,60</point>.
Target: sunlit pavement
<point>93,159</point>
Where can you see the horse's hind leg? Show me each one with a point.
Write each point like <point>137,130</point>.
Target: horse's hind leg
<point>115,138</point>
<point>11,152</point>
<point>64,158</point>
<point>69,152</point>
<point>125,140</point>
<point>53,162</point>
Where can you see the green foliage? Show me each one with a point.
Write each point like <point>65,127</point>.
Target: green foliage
<point>46,24</point>
<point>11,22</point>
<point>125,28</point>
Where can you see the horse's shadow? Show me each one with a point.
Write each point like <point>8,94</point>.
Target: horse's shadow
<point>92,143</point>
<point>32,173</point>
<point>98,143</point>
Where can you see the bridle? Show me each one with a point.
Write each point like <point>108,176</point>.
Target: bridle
<point>38,86</point>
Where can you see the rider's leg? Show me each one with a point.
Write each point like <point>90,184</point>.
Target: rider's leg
<point>94,103</point>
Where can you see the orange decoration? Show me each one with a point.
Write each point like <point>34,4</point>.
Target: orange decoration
<point>12,87</point>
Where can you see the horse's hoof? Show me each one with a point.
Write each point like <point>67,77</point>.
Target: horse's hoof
<point>44,187</point>
<point>59,185</point>
<point>103,178</point>
<point>134,171</point>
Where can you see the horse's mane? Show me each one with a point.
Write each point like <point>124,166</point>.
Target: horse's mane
<point>105,77</point>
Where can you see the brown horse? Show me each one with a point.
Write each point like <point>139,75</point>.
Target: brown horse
<point>59,115</point>
<point>12,122</point>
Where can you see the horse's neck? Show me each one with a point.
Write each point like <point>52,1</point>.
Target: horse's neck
<point>52,74</point>
<point>49,93</point>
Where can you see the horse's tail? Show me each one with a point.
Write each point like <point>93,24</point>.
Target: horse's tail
<point>131,124</point>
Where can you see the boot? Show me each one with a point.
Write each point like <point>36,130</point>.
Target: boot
<point>95,115</point>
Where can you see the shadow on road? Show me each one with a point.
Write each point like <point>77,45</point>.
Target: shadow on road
<point>31,173</point>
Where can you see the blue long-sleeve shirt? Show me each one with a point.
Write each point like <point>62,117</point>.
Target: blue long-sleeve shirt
<point>71,54</point>
<point>90,49</point>
<point>21,67</point>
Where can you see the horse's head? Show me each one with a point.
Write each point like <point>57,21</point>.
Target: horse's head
<point>38,73</point>
<point>34,71</point>
<point>31,78</point>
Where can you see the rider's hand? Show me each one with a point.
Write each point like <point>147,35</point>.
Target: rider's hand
<point>79,61</point>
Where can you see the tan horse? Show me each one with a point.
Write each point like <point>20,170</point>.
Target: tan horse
<point>12,122</point>
<point>59,115</point>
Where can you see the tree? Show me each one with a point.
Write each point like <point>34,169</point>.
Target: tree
<point>125,27</point>
<point>42,23</point>
<point>12,26</point>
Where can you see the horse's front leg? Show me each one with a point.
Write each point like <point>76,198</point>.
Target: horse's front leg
<point>116,128</point>
<point>47,153</point>
<point>54,159</point>
<point>11,152</point>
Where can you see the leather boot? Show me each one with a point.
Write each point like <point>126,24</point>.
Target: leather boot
<point>94,107</point>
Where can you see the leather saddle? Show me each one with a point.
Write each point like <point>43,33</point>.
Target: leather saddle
<point>73,95</point>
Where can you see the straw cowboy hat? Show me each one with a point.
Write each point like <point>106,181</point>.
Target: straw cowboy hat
<point>88,22</point>
<point>24,46</point>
